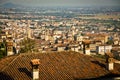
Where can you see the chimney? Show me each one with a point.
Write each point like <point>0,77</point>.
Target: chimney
<point>86,47</point>
<point>110,61</point>
<point>110,64</point>
<point>35,69</point>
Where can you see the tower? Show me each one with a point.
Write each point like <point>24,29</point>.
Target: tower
<point>47,35</point>
<point>9,46</point>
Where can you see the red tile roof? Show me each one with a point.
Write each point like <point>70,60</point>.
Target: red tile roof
<point>55,66</point>
<point>35,62</point>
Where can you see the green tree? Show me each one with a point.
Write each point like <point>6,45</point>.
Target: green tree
<point>27,45</point>
<point>110,42</point>
<point>3,50</point>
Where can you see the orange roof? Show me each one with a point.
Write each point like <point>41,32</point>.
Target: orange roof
<point>54,66</point>
<point>87,41</point>
<point>35,61</point>
<point>109,54</point>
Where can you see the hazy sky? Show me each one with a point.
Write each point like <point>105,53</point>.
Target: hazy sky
<point>64,2</point>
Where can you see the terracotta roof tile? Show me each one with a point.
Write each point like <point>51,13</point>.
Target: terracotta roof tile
<point>56,66</point>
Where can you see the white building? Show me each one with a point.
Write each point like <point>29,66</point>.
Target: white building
<point>61,47</point>
<point>102,49</point>
<point>75,48</point>
<point>87,51</point>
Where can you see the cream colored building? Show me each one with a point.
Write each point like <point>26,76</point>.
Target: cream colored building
<point>102,49</point>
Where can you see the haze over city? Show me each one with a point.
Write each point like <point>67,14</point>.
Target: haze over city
<point>60,39</point>
<point>34,3</point>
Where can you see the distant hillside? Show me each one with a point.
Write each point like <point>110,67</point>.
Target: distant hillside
<point>9,5</point>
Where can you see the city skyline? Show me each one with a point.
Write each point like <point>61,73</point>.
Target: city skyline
<point>35,3</point>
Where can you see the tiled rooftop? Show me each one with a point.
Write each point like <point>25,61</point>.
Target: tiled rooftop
<point>54,66</point>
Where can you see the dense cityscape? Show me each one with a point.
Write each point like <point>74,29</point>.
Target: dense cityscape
<point>60,29</point>
<point>91,31</point>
